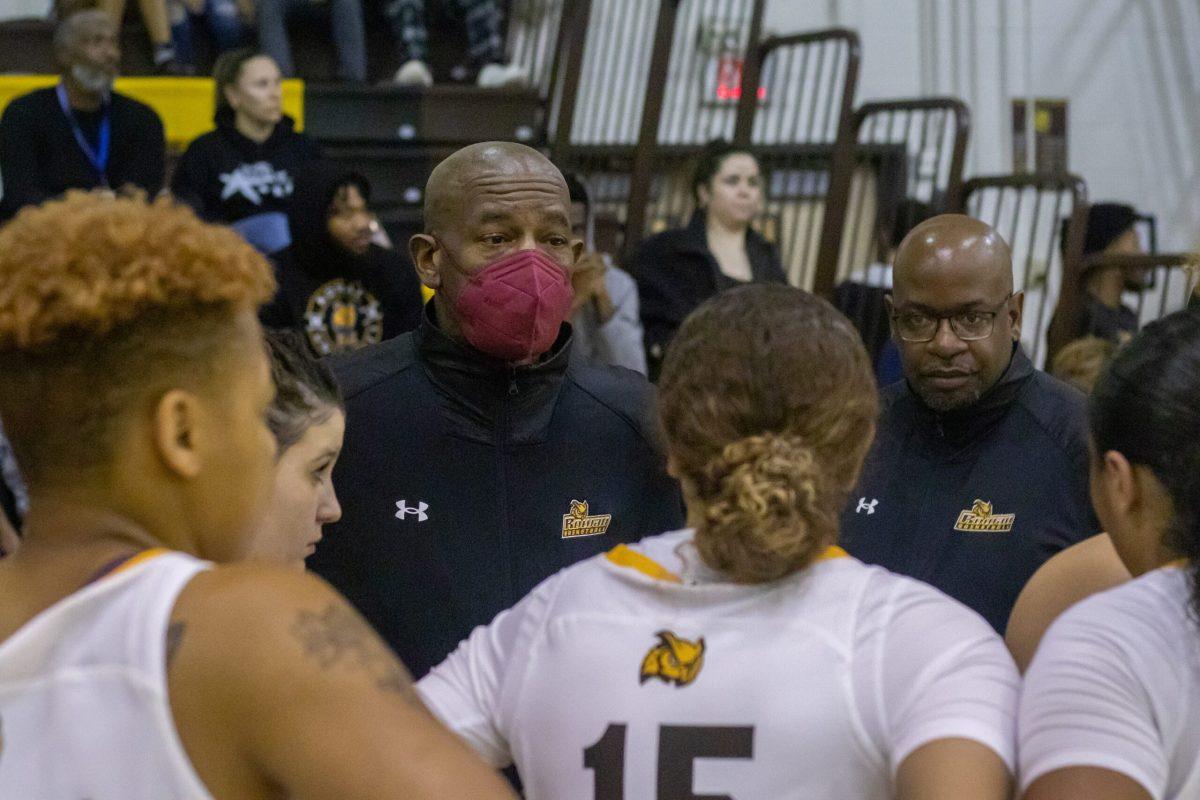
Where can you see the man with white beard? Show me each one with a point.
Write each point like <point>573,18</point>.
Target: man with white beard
<point>79,134</point>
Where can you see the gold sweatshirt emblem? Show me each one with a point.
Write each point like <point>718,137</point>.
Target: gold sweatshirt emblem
<point>980,518</point>
<point>579,523</point>
<point>673,660</point>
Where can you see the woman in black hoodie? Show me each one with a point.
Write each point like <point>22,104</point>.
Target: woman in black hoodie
<point>336,286</point>
<point>242,174</point>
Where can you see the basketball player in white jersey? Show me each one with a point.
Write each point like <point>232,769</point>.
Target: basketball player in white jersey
<point>308,420</point>
<point>135,391</point>
<point>1111,704</point>
<point>746,657</point>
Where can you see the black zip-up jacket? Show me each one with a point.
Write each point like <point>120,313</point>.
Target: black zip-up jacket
<point>338,300</point>
<point>463,482</point>
<point>226,177</point>
<point>675,272</point>
<point>40,158</point>
<point>974,501</point>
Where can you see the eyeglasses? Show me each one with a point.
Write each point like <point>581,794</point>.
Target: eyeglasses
<point>970,326</point>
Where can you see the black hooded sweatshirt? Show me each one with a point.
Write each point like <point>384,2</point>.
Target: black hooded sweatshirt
<point>227,177</point>
<point>338,300</point>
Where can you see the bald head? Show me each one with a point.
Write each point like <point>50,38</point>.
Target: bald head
<point>955,243</point>
<point>486,171</point>
<point>954,315</point>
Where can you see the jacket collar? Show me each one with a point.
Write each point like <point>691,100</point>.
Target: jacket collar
<point>964,426</point>
<point>758,250</point>
<point>490,399</point>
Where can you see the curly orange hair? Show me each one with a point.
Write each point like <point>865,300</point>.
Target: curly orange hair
<point>103,300</point>
<point>768,403</point>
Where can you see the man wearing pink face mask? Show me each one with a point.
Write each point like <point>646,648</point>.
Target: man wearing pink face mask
<point>480,456</point>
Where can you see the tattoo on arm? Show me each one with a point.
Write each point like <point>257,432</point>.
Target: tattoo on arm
<point>174,638</point>
<point>339,637</point>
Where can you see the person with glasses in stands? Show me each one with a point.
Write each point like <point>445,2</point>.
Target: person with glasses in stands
<point>978,473</point>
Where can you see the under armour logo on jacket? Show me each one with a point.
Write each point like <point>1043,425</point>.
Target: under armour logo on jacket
<point>863,505</point>
<point>405,510</point>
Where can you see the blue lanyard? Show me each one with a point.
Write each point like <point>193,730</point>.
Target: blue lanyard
<point>99,156</point>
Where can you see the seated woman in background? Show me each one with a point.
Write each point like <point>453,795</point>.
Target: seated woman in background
<point>308,419</point>
<point>243,173</point>
<point>678,270</point>
<point>1111,704</point>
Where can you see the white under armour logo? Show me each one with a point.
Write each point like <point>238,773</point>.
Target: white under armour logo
<point>404,510</point>
<point>863,505</point>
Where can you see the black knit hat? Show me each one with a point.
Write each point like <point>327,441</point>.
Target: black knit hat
<point>1106,222</point>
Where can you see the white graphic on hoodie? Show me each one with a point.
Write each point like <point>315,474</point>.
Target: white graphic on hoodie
<point>254,181</point>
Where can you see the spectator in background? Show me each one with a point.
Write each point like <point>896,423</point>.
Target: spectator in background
<point>1081,362</point>
<point>480,456</point>
<point>978,473</point>
<point>243,173</point>
<point>604,313</point>
<point>228,23</point>
<point>483,20</point>
<point>678,270</point>
<point>79,134</point>
<point>336,286</point>
<point>1110,231</point>
<point>345,19</point>
<point>154,17</point>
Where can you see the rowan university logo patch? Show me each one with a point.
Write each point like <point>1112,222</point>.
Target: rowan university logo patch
<point>980,518</point>
<point>673,660</point>
<point>577,522</point>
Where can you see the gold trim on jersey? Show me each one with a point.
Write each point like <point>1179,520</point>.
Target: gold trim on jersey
<point>624,556</point>
<point>140,558</point>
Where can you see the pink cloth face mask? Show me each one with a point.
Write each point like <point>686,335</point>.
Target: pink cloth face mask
<point>513,307</point>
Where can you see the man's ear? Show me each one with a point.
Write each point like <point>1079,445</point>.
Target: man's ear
<point>576,251</point>
<point>177,423</point>
<point>421,247</point>
<point>1016,306</point>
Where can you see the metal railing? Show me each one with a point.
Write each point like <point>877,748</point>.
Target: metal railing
<point>796,117</point>
<point>1028,211</point>
<point>907,150</point>
<point>1167,283</point>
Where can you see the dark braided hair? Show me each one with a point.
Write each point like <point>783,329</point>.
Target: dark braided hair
<point>305,390</point>
<point>1146,406</point>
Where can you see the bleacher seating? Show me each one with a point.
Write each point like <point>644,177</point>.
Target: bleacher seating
<point>626,94</point>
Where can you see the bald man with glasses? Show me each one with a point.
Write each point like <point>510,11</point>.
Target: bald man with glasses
<point>979,469</point>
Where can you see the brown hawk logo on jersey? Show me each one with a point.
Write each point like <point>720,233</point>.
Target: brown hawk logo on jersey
<point>673,660</point>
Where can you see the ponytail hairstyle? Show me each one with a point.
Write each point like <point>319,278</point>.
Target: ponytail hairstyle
<point>768,403</point>
<point>1146,406</point>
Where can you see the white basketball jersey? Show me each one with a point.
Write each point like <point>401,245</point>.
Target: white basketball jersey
<point>83,693</point>
<point>618,680</point>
